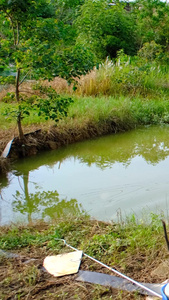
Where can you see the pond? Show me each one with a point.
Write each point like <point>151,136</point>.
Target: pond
<point>106,178</point>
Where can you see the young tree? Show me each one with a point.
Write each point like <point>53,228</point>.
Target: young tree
<point>34,42</point>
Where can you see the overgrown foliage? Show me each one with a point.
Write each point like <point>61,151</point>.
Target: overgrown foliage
<point>106,28</point>
<point>48,104</point>
<point>33,43</point>
<point>143,76</point>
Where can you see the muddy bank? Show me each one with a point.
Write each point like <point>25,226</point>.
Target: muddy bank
<point>4,165</point>
<point>57,136</point>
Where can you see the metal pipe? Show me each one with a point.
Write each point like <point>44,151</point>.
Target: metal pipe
<point>115,271</point>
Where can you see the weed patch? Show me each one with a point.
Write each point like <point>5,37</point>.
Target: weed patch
<point>134,248</point>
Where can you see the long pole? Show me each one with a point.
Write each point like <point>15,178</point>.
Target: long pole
<point>115,271</point>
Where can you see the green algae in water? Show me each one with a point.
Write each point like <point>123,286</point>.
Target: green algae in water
<point>103,178</point>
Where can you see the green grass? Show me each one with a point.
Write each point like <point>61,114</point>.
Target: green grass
<point>135,110</point>
<point>131,247</point>
<point>127,112</point>
<point>8,120</point>
<point>5,123</point>
<point>129,91</point>
<point>109,239</point>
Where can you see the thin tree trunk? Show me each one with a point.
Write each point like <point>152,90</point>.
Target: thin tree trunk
<point>17,85</point>
<point>21,135</point>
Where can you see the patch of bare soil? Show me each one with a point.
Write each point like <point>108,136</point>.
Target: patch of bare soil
<point>8,134</point>
<point>25,278</point>
<point>21,278</point>
<point>5,137</point>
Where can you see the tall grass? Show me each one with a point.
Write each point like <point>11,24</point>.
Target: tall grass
<point>126,91</point>
<point>126,76</point>
<point>130,90</point>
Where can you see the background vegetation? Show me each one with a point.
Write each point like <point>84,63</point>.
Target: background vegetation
<point>126,42</point>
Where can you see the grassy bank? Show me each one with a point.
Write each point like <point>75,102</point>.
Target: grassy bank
<point>93,116</point>
<point>88,117</point>
<point>116,97</point>
<point>132,248</point>
<point>132,89</point>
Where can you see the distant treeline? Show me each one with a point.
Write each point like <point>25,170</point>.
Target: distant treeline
<point>105,27</point>
<point>67,38</point>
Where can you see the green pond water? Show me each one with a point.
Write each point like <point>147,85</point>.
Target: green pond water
<point>106,178</point>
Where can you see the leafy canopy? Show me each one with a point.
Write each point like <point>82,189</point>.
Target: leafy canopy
<point>34,42</point>
<point>106,28</point>
<point>152,21</point>
<point>33,38</point>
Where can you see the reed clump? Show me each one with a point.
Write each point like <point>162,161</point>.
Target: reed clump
<point>127,76</point>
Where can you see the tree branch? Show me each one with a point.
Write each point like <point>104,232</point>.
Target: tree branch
<point>17,42</point>
<point>24,78</point>
<point>17,84</point>
<point>14,35</point>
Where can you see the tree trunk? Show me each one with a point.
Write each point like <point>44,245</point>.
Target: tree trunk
<point>21,135</point>
<point>17,85</point>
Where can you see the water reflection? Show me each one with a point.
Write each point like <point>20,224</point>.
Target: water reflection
<point>151,142</point>
<point>44,204</point>
<point>127,171</point>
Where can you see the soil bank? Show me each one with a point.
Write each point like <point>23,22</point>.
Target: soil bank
<point>53,137</point>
